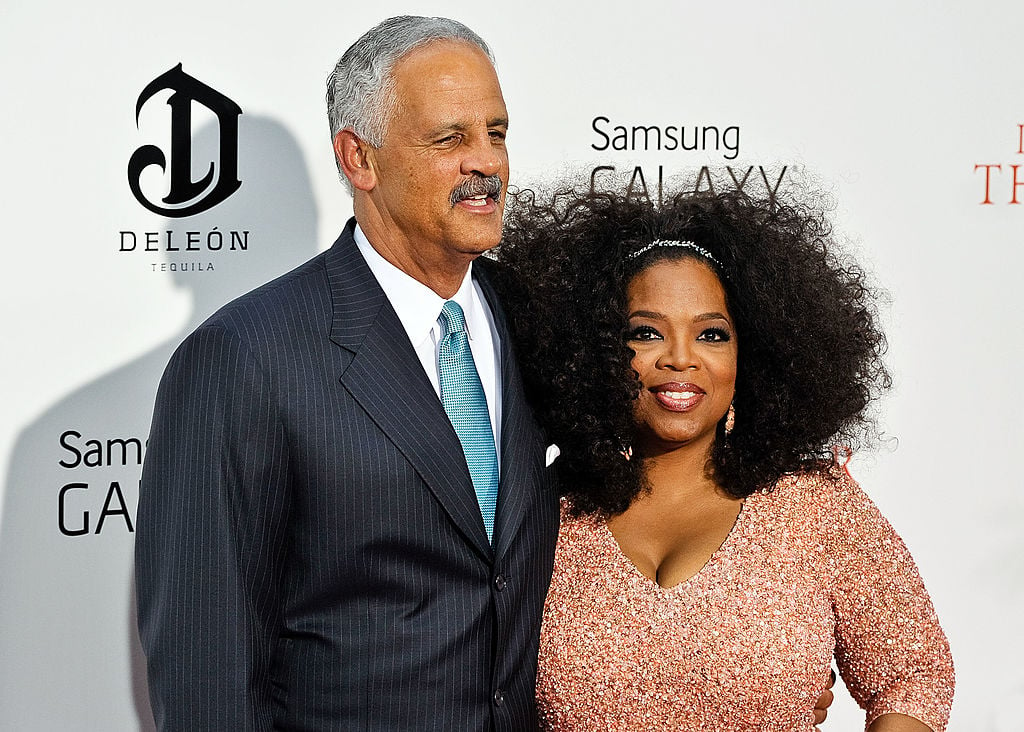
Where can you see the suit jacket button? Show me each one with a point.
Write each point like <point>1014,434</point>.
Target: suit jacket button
<point>499,583</point>
<point>499,697</point>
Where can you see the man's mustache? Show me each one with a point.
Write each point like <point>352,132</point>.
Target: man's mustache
<point>489,186</point>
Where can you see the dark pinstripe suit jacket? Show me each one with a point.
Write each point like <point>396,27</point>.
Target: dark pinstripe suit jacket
<point>310,553</point>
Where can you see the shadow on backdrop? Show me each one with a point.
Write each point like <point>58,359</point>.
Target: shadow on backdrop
<point>68,638</point>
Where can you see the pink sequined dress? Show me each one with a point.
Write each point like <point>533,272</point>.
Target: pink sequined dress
<point>810,570</point>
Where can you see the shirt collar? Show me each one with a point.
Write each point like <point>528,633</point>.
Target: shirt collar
<point>417,306</point>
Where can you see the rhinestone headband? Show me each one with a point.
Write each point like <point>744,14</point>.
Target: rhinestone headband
<point>685,243</point>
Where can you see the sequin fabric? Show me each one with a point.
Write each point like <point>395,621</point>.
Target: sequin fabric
<point>810,570</point>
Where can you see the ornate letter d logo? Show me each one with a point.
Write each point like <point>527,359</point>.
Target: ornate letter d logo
<point>187,197</point>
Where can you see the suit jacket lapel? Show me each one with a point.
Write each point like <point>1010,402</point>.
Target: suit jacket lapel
<point>521,444</point>
<point>385,377</point>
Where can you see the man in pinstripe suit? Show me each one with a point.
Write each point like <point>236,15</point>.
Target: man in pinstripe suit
<point>311,554</point>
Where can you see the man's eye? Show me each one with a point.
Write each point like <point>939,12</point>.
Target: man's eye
<point>497,135</point>
<point>449,141</point>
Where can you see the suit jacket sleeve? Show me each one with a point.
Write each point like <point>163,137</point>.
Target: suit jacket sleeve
<point>211,536</point>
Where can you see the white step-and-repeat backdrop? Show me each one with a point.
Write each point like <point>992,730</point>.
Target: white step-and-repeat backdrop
<point>909,116</point>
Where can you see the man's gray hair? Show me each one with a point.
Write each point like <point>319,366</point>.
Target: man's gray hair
<point>361,89</point>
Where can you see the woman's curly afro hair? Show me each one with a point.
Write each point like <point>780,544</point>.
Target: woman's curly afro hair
<point>810,352</point>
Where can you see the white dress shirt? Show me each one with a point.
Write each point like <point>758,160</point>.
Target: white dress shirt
<point>418,308</point>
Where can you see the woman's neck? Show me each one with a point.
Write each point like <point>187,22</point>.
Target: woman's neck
<point>682,471</point>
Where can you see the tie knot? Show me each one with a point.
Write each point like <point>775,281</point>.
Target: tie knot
<point>452,318</point>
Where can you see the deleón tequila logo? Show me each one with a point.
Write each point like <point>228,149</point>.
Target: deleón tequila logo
<point>185,196</point>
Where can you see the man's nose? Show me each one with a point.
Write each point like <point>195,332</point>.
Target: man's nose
<point>482,158</point>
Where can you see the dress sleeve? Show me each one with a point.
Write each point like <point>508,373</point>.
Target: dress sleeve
<point>891,651</point>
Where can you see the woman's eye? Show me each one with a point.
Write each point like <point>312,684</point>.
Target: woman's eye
<point>643,333</point>
<point>715,335</point>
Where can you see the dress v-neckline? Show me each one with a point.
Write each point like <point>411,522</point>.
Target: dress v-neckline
<point>713,559</point>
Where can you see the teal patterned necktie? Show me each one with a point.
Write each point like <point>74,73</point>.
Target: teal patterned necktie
<point>462,395</point>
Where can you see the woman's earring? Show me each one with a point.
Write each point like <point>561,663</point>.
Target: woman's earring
<point>730,419</point>
<point>627,452</point>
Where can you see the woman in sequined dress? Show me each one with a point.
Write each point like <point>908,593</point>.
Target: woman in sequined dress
<point>697,363</point>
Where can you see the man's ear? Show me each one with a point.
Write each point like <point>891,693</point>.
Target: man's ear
<point>353,156</point>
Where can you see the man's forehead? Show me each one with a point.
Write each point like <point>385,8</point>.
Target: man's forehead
<point>444,66</point>
<point>453,80</point>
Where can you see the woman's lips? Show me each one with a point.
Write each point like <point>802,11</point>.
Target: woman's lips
<point>678,397</point>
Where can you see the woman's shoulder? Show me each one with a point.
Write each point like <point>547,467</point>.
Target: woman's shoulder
<point>845,518</point>
<point>822,497</point>
<point>582,538</point>
<point>574,522</point>
<point>826,485</point>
